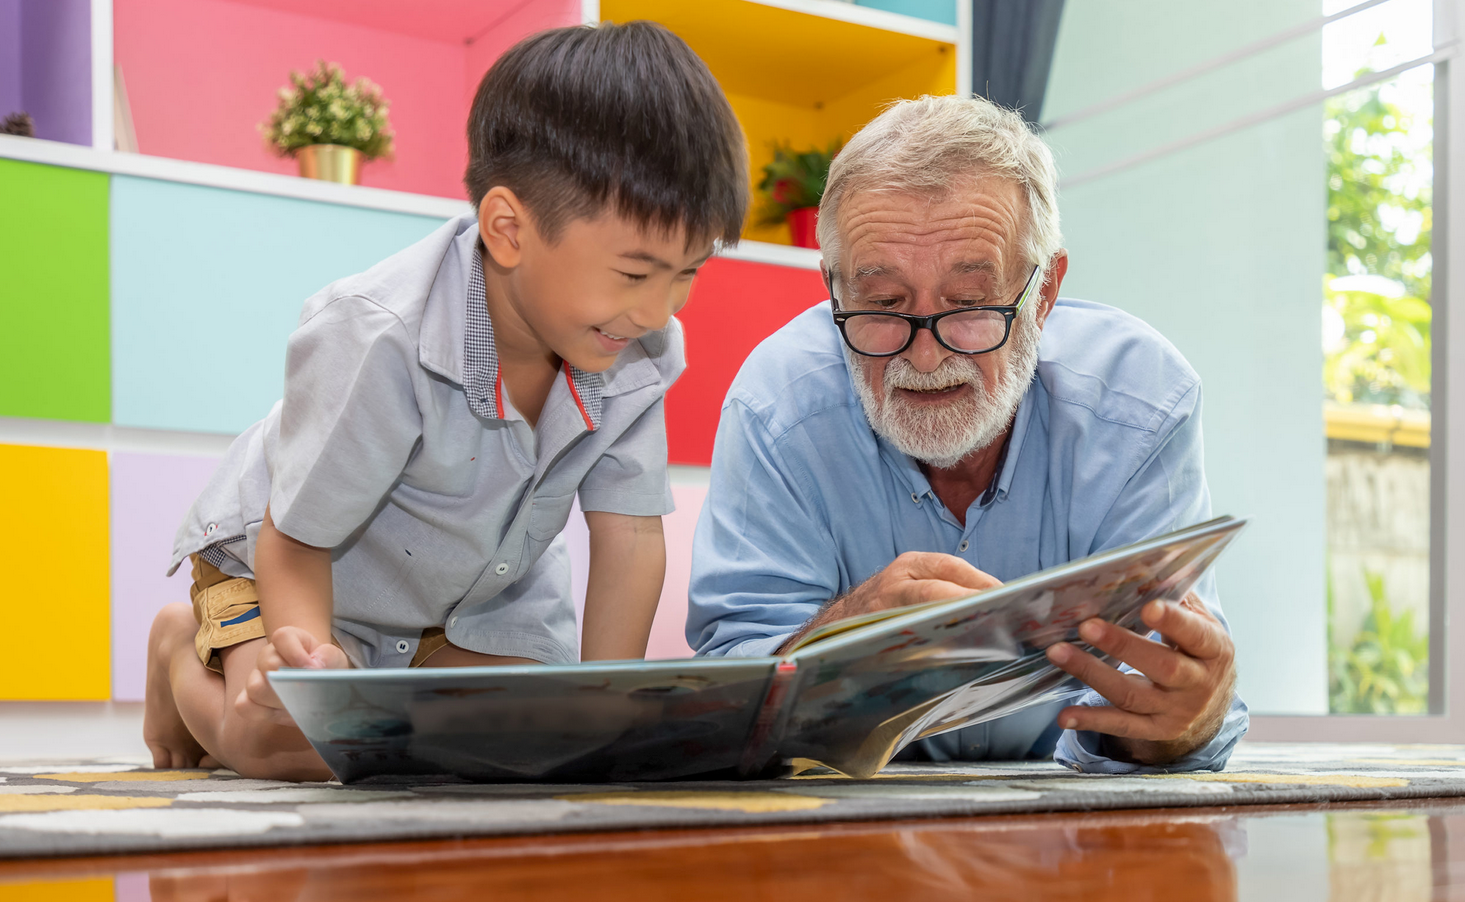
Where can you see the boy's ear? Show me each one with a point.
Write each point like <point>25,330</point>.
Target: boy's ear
<point>502,221</point>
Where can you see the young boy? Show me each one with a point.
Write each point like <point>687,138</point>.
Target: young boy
<point>402,505</point>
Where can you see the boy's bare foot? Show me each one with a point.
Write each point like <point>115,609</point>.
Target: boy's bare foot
<point>163,730</point>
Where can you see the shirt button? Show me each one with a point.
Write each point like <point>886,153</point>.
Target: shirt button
<point>209,530</point>
<point>963,545</point>
<point>501,569</point>
<point>916,498</point>
<point>453,621</point>
<point>402,646</point>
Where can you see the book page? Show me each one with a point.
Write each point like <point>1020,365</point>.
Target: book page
<point>864,693</point>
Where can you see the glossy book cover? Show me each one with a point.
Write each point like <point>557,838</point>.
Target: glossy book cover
<point>846,698</point>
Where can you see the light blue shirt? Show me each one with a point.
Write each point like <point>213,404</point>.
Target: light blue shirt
<point>807,502</point>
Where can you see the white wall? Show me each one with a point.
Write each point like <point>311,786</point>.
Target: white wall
<point>1220,247</point>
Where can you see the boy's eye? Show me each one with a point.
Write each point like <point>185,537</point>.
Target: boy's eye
<point>634,276</point>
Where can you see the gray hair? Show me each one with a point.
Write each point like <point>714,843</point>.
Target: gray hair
<point>924,145</point>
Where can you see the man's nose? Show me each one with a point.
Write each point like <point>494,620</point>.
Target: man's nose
<point>925,353</point>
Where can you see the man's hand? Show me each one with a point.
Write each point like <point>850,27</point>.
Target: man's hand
<point>288,646</point>
<point>1179,702</point>
<point>915,577</point>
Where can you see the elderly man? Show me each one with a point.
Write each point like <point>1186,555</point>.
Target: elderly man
<point>893,446</point>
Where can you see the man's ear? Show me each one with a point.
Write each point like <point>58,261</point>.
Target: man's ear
<point>1048,294</point>
<point>502,221</point>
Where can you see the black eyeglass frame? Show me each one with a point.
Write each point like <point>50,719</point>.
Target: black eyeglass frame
<point>917,323</point>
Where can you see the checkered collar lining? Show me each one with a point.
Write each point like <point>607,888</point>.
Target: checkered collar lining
<point>484,384</point>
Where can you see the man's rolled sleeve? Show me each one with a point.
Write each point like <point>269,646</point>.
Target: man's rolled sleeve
<point>631,476</point>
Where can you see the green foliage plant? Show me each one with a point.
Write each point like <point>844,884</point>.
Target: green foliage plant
<point>794,180</point>
<point>319,107</point>
<point>1380,223</point>
<point>1386,669</point>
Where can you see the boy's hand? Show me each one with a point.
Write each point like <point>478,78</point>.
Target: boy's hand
<point>288,646</point>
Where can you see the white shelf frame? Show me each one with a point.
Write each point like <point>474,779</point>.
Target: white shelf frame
<point>72,156</point>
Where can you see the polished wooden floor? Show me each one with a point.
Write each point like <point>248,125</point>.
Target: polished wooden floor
<point>1350,853</point>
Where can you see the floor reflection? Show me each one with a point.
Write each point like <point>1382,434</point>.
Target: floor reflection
<point>1345,854</point>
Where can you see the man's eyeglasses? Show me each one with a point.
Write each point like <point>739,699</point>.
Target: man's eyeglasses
<point>965,330</point>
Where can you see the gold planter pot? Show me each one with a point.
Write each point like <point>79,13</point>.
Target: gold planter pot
<point>330,163</point>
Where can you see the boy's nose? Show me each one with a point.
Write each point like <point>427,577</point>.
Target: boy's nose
<point>654,315</point>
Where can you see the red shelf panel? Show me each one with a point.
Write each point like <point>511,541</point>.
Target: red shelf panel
<point>734,305</point>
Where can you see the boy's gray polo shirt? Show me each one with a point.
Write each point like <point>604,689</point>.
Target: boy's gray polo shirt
<point>393,446</point>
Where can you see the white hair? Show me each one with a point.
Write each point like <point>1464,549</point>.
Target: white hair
<point>924,146</point>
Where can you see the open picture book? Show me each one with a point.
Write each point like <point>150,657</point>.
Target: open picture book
<point>848,696</point>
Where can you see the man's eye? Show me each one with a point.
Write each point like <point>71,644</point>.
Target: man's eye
<point>634,276</point>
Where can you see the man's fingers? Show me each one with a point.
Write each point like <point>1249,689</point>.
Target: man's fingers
<point>947,568</point>
<point>935,590</point>
<point>1114,722</point>
<point>1161,663</point>
<point>1123,690</point>
<point>1189,628</point>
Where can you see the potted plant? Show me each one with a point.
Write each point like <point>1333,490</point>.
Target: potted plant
<point>792,186</point>
<point>329,126</point>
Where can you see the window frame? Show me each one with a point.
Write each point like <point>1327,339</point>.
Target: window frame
<point>1445,720</point>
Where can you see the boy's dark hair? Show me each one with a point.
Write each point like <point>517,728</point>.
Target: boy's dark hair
<point>626,117</point>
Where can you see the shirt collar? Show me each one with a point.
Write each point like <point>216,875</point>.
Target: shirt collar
<point>483,383</point>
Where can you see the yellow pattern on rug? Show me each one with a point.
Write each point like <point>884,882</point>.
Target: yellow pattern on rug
<point>27,804</point>
<point>1357,781</point>
<point>129,776</point>
<point>750,802</point>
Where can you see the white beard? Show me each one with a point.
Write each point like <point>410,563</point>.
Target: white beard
<point>941,436</point>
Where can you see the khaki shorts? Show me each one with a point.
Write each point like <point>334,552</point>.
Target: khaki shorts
<point>227,610</point>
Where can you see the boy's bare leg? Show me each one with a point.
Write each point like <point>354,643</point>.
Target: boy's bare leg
<point>163,729</point>
<point>198,712</point>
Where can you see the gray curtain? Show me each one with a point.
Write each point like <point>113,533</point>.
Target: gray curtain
<point>1012,51</point>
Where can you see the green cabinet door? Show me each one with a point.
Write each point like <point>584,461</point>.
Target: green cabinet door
<point>55,360</point>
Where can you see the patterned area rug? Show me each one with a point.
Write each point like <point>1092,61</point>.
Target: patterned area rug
<point>105,807</point>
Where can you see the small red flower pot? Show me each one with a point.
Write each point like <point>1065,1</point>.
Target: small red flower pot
<point>801,223</point>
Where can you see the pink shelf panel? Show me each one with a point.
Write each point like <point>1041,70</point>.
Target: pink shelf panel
<point>202,74</point>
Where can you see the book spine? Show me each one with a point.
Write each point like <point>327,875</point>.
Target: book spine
<point>762,745</point>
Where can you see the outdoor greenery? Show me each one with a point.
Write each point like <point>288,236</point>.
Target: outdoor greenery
<point>1376,336</point>
<point>319,107</point>
<point>794,180</point>
<point>1386,669</point>
<point>1376,312</point>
